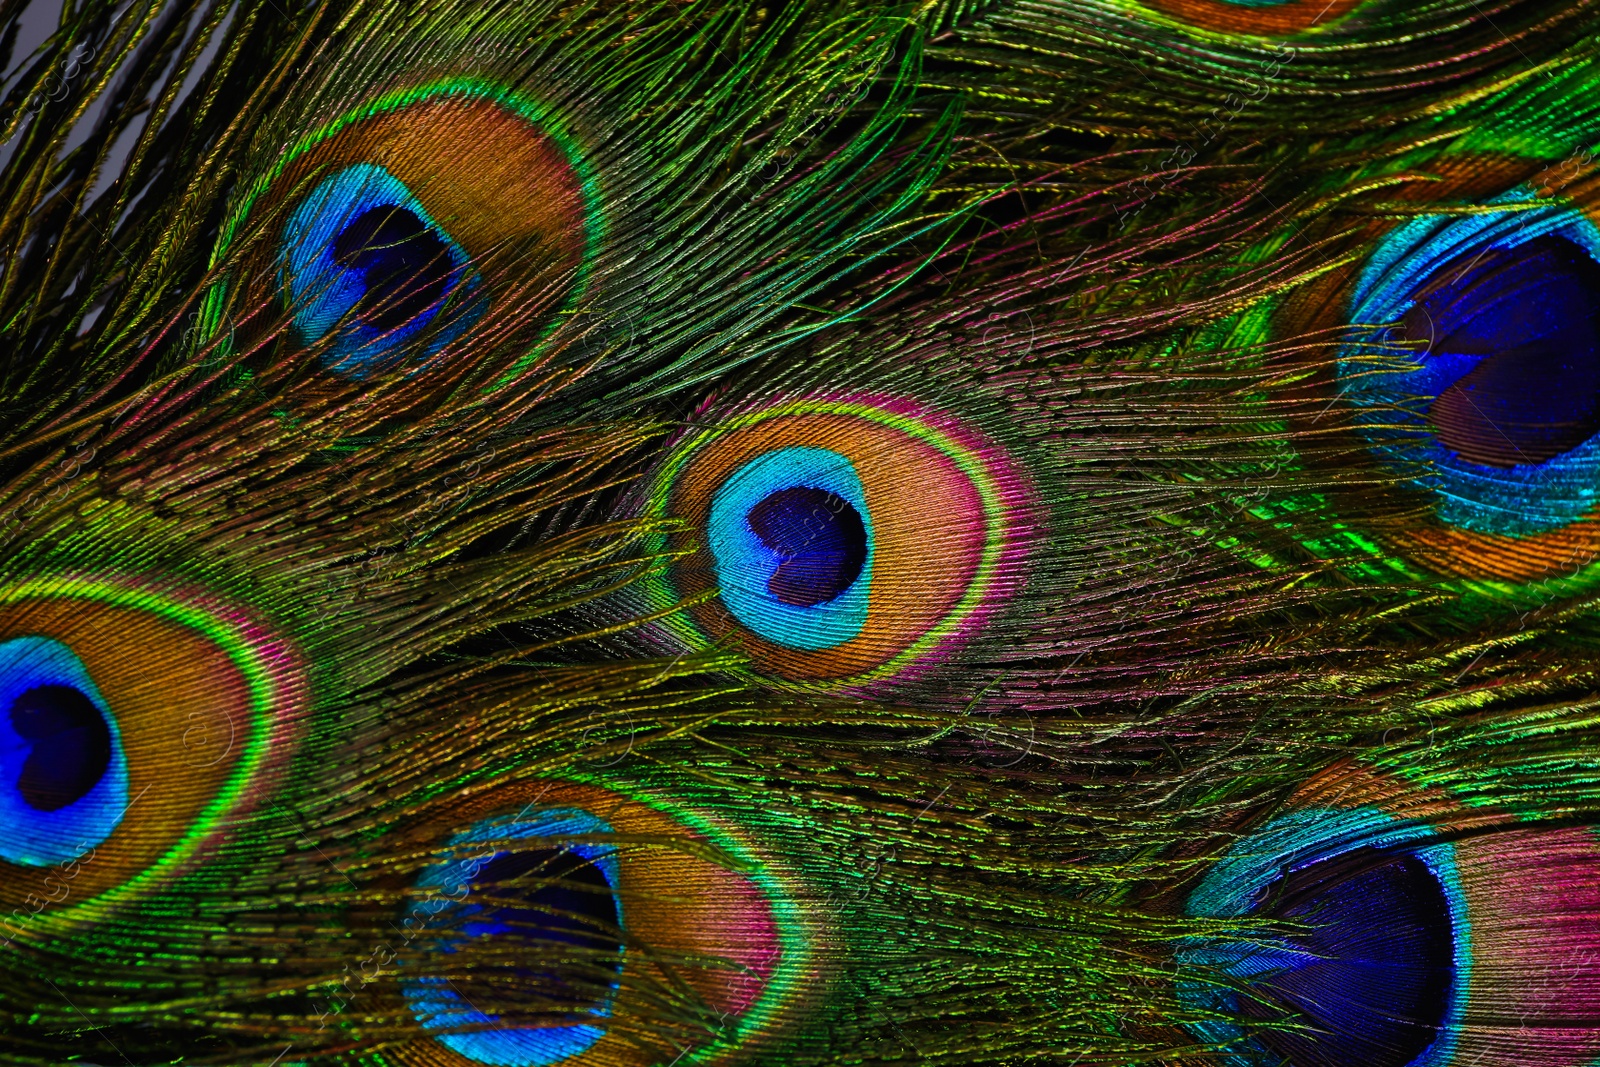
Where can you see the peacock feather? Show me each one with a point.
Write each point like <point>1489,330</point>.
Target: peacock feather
<point>627,534</point>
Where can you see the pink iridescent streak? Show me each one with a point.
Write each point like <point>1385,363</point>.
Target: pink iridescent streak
<point>1533,900</point>
<point>1016,506</point>
<point>277,662</point>
<point>752,942</point>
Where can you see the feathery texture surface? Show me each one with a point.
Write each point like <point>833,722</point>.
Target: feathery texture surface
<point>622,534</point>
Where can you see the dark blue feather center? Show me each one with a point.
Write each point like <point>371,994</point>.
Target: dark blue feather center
<point>1523,325</point>
<point>404,265</point>
<point>69,745</point>
<point>1374,983</point>
<point>820,538</point>
<point>568,901</point>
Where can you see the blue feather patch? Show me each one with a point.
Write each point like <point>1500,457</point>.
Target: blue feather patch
<point>791,535</point>
<point>575,907</point>
<point>63,774</point>
<point>1499,416</point>
<point>362,260</point>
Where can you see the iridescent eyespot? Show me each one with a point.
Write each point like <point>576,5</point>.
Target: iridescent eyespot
<point>586,927</point>
<point>792,545</point>
<point>1511,352</point>
<point>1496,419</point>
<point>424,215</point>
<point>63,771</point>
<point>364,261</point>
<point>133,723</point>
<point>851,540</point>
<point>571,905</point>
<point>1421,927</point>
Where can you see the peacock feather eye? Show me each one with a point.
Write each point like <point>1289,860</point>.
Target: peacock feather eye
<point>1373,973</point>
<point>1512,347</point>
<point>423,216</point>
<point>850,540</point>
<point>791,544</point>
<point>1419,927</point>
<point>588,909</point>
<point>363,261</point>
<point>133,724</point>
<point>383,684</point>
<point>63,770</point>
<point>1494,415</point>
<point>571,902</point>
